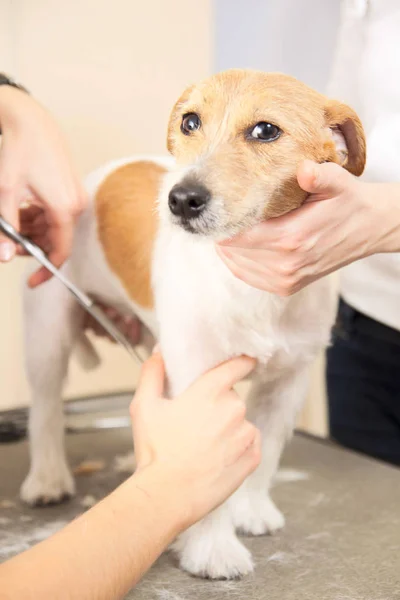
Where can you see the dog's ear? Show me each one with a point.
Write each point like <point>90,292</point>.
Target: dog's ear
<point>348,136</point>
<point>175,116</point>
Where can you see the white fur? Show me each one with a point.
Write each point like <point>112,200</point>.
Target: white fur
<point>204,315</point>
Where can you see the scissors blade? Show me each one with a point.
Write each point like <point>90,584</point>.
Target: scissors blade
<point>95,311</point>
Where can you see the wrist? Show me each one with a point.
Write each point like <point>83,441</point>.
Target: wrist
<point>11,100</point>
<point>19,112</point>
<point>163,492</point>
<point>384,200</point>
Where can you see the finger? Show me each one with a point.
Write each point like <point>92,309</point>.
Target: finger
<point>263,235</point>
<point>32,222</point>
<point>30,213</point>
<point>111,312</point>
<point>239,442</point>
<point>61,232</point>
<point>259,258</point>
<point>82,198</point>
<point>236,473</point>
<point>326,180</point>
<point>35,229</point>
<point>42,275</point>
<point>223,377</point>
<point>152,379</point>
<point>22,252</point>
<point>256,275</point>
<point>39,277</point>
<point>134,331</point>
<point>248,271</point>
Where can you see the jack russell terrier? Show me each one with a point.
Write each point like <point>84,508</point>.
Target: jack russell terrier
<point>146,245</point>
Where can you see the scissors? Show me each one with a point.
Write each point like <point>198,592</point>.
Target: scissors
<point>95,311</point>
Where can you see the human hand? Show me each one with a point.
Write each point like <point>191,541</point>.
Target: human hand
<point>343,220</point>
<point>35,167</point>
<point>130,327</point>
<point>199,442</point>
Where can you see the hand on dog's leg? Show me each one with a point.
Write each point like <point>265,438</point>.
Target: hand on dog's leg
<point>273,408</point>
<point>52,322</point>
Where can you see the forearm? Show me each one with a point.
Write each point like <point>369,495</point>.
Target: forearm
<point>384,200</point>
<point>103,553</point>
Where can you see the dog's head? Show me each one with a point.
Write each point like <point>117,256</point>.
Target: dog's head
<point>238,138</point>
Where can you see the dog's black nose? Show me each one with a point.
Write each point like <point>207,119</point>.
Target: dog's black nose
<point>188,201</point>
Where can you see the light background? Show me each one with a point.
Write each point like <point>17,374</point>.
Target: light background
<point>110,72</point>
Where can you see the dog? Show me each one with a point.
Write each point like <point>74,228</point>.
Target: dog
<point>146,245</point>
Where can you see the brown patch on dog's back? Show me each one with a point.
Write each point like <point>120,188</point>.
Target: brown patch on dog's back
<point>127,225</point>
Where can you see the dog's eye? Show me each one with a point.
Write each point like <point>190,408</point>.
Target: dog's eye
<point>266,132</point>
<point>190,122</point>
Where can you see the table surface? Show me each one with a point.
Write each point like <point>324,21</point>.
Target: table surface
<point>341,541</point>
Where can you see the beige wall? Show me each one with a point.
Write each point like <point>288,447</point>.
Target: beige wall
<point>110,72</point>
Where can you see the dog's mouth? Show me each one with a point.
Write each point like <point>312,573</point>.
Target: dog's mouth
<point>197,211</point>
<point>189,227</point>
<point>215,223</point>
<point>204,225</point>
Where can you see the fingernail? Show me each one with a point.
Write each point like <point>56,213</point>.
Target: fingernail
<point>156,349</point>
<point>7,251</point>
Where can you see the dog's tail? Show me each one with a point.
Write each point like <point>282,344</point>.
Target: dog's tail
<point>86,353</point>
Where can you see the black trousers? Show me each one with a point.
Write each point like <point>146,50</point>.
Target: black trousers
<point>363,379</point>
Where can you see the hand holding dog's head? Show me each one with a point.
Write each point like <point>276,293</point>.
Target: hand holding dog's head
<point>238,138</point>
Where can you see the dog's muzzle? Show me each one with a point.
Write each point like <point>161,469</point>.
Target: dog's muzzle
<point>188,201</point>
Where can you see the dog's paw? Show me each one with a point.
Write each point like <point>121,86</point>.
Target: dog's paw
<point>42,488</point>
<point>222,558</point>
<point>257,516</point>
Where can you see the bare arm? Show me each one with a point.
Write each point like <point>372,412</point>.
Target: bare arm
<point>192,453</point>
<point>104,552</point>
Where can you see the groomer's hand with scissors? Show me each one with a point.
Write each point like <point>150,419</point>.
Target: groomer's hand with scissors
<point>35,167</point>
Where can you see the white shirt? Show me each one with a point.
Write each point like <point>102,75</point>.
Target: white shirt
<point>366,75</point>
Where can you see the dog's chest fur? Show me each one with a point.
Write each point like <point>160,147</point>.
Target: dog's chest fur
<point>207,315</point>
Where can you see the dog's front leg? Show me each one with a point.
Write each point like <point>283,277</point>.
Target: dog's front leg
<point>272,407</point>
<point>210,548</point>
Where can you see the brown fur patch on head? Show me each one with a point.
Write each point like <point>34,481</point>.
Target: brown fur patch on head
<point>251,179</point>
<point>127,225</point>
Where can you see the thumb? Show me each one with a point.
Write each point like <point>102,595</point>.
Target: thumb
<point>223,377</point>
<point>325,180</point>
<point>152,379</point>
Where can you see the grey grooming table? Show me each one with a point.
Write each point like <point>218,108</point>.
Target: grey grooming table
<point>341,542</point>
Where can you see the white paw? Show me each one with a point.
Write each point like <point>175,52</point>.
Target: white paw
<point>256,515</point>
<point>214,558</point>
<point>47,486</point>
